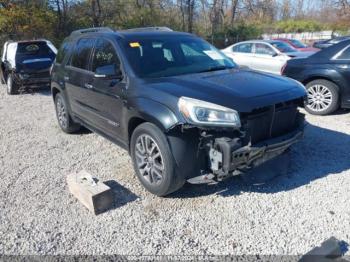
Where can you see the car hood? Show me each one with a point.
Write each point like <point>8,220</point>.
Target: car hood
<point>239,89</point>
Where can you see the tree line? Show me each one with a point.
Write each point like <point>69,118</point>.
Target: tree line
<point>219,21</point>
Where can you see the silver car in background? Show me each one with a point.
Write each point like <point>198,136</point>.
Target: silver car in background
<point>263,55</point>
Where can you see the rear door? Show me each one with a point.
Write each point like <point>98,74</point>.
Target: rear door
<point>107,88</point>
<point>77,74</point>
<point>342,62</point>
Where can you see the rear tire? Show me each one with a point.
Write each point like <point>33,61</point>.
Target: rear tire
<point>323,97</point>
<point>153,161</point>
<point>11,85</point>
<point>65,121</point>
<point>2,76</point>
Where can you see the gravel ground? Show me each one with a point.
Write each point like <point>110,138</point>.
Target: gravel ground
<point>289,214</point>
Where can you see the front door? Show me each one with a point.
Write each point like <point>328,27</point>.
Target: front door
<point>266,59</point>
<point>107,88</point>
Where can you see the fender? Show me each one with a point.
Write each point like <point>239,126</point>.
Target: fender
<point>61,90</point>
<point>332,75</point>
<point>151,111</point>
<point>184,146</point>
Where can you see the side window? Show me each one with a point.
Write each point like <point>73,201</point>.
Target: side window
<point>168,55</point>
<point>243,48</point>
<point>345,55</point>
<point>82,51</point>
<point>62,52</point>
<point>263,49</point>
<point>105,60</point>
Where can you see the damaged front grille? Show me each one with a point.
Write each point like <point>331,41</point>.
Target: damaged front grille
<point>269,122</point>
<point>42,74</point>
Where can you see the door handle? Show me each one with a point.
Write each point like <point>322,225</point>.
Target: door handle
<point>88,86</point>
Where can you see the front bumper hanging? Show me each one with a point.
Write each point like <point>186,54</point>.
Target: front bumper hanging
<point>228,155</point>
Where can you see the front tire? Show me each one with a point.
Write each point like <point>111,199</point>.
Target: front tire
<point>153,161</point>
<point>65,121</point>
<point>11,85</point>
<point>322,97</point>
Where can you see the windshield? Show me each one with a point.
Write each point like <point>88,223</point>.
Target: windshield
<point>298,44</point>
<point>283,47</point>
<point>174,56</point>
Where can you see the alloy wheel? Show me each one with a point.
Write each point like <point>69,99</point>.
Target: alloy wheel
<point>149,159</point>
<point>319,98</point>
<point>61,113</point>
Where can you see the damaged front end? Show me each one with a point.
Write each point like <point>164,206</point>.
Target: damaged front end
<point>265,134</point>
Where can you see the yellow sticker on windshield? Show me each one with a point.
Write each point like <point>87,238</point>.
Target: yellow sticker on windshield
<point>134,44</point>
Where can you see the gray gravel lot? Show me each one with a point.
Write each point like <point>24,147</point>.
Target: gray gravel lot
<point>289,214</point>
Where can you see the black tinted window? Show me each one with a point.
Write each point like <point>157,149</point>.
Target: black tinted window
<point>33,48</point>
<point>82,53</point>
<point>345,54</point>
<point>243,48</point>
<point>105,60</point>
<point>62,52</point>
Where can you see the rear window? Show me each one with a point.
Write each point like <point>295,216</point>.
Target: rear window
<point>297,43</point>
<point>82,52</point>
<point>283,47</point>
<point>34,48</point>
<point>62,52</point>
<point>243,48</point>
<point>345,55</point>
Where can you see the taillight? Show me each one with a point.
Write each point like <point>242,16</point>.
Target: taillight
<point>283,68</point>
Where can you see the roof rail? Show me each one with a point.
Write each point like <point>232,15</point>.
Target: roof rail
<point>151,28</point>
<point>91,30</point>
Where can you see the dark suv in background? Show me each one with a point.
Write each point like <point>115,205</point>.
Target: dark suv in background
<point>27,64</point>
<point>183,110</point>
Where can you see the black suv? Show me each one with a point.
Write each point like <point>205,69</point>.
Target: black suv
<point>183,110</point>
<point>27,64</point>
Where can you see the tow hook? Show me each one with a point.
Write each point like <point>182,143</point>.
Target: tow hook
<point>215,159</point>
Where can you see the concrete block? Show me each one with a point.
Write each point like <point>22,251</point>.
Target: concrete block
<point>92,193</point>
<point>330,250</point>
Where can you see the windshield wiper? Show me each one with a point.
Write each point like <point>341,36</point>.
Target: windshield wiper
<point>215,68</point>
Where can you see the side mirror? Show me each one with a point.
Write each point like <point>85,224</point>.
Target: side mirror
<point>275,54</point>
<point>108,72</point>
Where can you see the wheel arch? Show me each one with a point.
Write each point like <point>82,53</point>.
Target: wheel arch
<point>55,91</point>
<point>147,110</point>
<point>320,77</point>
<point>134,122</point>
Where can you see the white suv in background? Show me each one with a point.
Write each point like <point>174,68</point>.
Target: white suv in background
<point>264,55</point>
